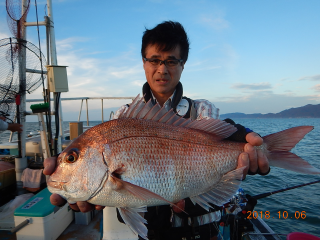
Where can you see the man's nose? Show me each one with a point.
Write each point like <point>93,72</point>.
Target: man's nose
<point>162,68</point>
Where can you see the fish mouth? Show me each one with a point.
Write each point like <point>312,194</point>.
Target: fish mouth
<point>54,184</point>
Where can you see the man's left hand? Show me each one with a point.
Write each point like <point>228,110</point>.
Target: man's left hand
<point>253,158</point>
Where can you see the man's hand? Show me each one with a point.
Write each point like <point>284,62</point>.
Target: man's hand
<point>15,127</point>
<point>253,158</point>
<point>49,167</point>
<point>181,205</point>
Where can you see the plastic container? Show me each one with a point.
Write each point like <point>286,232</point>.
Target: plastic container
<point>46,222</point>
<point>12,147</point>
<point>301,236</point>
<point>7,178</point>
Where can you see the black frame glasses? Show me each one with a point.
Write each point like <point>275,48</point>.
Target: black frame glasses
<point>167,62</point>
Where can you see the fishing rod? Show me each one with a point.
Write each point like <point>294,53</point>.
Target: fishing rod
<point>263,195</point>
<point>239,223</point>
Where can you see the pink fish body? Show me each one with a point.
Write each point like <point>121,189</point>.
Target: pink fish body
<point>151,157</point>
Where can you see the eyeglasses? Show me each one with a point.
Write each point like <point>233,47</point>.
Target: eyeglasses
<point>168,63</point>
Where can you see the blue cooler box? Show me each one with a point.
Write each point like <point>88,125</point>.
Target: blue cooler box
<point>46,222</point>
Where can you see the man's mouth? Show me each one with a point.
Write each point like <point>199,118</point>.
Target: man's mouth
<point>162,80</point>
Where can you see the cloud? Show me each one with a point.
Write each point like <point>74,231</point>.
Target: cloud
<point>4,29</point>
<point>310,78</point>
<point>89,76</point>
<point>139,82</point>
<point>68,43</point>
<point>125,72</point>
<point>121,75</point>
<point>284,79</point>
<point>207,47</point>
<point>3,35</point>
<point>316,87</point>
<point>254,86</point>
<point>215,22</point>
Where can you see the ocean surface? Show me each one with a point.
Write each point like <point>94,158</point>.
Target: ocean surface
<point>296,210</point>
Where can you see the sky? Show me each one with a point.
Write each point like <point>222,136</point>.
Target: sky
<point>245,56</point>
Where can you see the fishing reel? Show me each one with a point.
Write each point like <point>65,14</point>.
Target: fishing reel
<point>236,215</point>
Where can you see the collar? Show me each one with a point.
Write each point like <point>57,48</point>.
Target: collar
<point>169,100</point>
<point>175,97</point>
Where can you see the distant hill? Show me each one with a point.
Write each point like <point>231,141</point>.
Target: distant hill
<point>308,111</point>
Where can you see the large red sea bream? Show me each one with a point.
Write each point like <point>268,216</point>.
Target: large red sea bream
<point>151,157</point>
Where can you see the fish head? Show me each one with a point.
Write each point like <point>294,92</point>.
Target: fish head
<point>81,169</point>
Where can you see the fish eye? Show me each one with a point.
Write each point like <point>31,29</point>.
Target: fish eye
<point>72,156</point>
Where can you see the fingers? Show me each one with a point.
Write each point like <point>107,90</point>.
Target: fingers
<point>56,200</point>
<point>15,127</point>
<point>74,207</point>
<point>253,159</point>
<point>98,207</point>
<point>18,128</point>
<point>243,161</point>
<point>179,206</point>
<point>83,206</point>
<point>254,139</point>
<point>49,165</point>
<point>263,163</point>
<point>258,162</point>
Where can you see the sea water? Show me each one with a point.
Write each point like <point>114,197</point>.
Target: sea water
<point>296,210</point>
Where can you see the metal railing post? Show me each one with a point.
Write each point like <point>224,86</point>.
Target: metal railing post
<point>102,110</point>
<point>87,112</point>
<point>80,111</point>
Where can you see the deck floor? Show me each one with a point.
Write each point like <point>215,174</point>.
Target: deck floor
<point>93,231</point>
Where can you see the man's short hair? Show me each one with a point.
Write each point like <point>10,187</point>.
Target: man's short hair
<point>167,35</point>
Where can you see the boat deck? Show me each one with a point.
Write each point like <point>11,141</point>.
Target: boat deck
<point>78,231</point>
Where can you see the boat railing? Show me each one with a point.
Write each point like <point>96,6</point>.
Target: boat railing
<point>86,99</point>
<point>82,99</point>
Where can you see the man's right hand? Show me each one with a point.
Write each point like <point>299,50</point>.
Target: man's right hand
<point>15,127</point>
<point>55,199</point>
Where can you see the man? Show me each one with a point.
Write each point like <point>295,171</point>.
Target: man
<point>164,53</point>
<point>13,127</point>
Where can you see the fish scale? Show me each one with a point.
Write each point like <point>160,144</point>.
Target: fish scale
<point>134,162</point>
<point>164,172</point>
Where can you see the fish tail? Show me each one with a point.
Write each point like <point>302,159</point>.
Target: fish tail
<point>279,144</point>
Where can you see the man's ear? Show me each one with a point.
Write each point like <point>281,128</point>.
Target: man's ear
<point>143,63</point>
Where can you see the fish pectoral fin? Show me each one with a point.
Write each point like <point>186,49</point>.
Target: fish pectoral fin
<point>137,191</point>
<point>133,218</point>
<point>222,192</point>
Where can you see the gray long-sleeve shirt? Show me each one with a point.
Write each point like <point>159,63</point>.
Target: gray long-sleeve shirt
<point>3,125</point>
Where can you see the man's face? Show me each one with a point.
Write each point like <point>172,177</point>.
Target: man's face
<point>162,79</point>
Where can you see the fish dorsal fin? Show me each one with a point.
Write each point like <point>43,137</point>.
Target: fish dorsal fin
<point>140,110</point>
<point>222,192</point>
